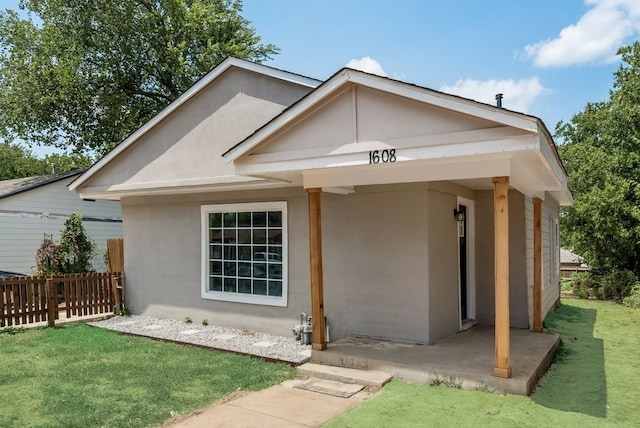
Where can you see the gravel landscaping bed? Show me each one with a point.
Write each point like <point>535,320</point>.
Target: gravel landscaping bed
<point>280,348</point>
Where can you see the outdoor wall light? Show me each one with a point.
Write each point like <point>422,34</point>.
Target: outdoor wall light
<point>458,214</point>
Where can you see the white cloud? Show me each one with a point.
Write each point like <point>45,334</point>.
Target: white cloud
<point>518,94</point>
<point>595,38</point>
<point>368,65</point>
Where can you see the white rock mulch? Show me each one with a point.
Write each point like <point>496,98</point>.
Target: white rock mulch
<point>280,348</point>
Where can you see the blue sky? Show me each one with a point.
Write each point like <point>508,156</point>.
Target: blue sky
<point>548,57</point>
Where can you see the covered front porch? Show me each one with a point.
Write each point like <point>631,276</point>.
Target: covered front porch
<point>428,154</point>
<point>463,360</point>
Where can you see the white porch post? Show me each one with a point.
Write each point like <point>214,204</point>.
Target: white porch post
<point>501,230</point>
<point>318,341</point>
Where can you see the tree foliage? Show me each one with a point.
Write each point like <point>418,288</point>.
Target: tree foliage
<point>18,162</point>
<point>601,152</point>
<point>86,73</point>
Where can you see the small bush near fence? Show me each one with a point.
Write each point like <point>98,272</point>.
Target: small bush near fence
<point>617,286</point>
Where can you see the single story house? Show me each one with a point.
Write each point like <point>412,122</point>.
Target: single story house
<point>33,207</point>
<point>395,211</point>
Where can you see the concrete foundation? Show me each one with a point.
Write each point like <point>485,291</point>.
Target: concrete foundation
<point>463,360</point>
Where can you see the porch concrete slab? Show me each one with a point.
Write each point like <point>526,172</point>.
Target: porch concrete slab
<point>466,359</point>
<point>373,378</point>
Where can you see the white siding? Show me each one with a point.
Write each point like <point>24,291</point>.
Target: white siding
<point>528,224</point>
<point>27,216</point>
<point>550,255</point>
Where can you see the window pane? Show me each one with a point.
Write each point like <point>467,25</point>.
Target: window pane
<point>275,288</point>
<point>229,219</point>
<point>244,219</point>
<point>275,271</point>
<point>244,253</point>
<point>229,236</point>
<point>229,252</point>
<point>244,236</point>
<point>216,268</point>
<point>230,269</point>
<point>215,284</point>
<point>275,236</point>
<point>260,287</point>
<point>275,218</point>
<point>244,286</point>
<point>244,270</point>
<point>215,236</point>
<point>230,285</point>
<point>259,236</point>
<point>259,270</point>
<point>215,252</point>
<point>215,220</point>
<point>259,219</point>
<point>275,253</point>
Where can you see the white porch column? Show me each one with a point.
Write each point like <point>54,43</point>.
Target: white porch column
<point>501,230</point>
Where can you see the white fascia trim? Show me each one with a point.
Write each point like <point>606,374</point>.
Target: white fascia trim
<point>104,193</point>
<point>197,87</point>
<point>449,102</point>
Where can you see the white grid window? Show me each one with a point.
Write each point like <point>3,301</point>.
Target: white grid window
<point>245,253</point>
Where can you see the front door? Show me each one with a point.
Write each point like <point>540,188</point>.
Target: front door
<point>462,253</point>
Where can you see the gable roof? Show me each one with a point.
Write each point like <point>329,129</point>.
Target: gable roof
<point>19,185</point>
<point>187,95</point>
<point>389,85</point>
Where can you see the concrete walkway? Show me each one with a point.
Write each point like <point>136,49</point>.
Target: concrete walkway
<point>281,406</point>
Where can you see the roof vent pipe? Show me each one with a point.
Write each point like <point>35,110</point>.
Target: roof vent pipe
<point>499,100</point>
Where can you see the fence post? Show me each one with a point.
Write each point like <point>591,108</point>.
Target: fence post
<point>52,302</point>
<point>115,292</point>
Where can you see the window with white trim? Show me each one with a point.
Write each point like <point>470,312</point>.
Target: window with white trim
<point>244,248</point>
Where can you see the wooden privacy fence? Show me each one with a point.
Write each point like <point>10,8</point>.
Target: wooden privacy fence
<point>36,299</point>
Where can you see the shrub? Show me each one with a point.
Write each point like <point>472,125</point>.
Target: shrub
<point>71,255</point>
<point>614,286</point>
<point>48,257</point>
<point>583,284</point>
<point>633,299</point>
<point>76,249</point>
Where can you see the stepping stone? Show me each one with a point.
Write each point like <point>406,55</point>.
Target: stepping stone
<point>189,332</point>
<point>264,344</point>
<point>224,336</point>
<point>153,327</point>
<point>330,387</point>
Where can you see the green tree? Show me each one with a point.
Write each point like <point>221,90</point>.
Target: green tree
<point>601,152</point>
<point>84,74</point>
<point>18,162</point>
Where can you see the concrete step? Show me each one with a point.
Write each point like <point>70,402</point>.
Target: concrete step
<point>330,387</point>
<point>373,378</point>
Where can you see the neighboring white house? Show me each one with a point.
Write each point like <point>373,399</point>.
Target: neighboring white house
<point>399,212</point>
<point>36,206</point>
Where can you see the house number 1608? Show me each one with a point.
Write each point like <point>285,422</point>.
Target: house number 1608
<point>384,156</point>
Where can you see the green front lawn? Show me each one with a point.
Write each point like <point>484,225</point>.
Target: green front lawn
<point>595,382</point>
<point>78,376</point>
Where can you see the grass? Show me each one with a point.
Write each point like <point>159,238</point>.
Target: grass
<point>78,376</point>
<point>593,383</point>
